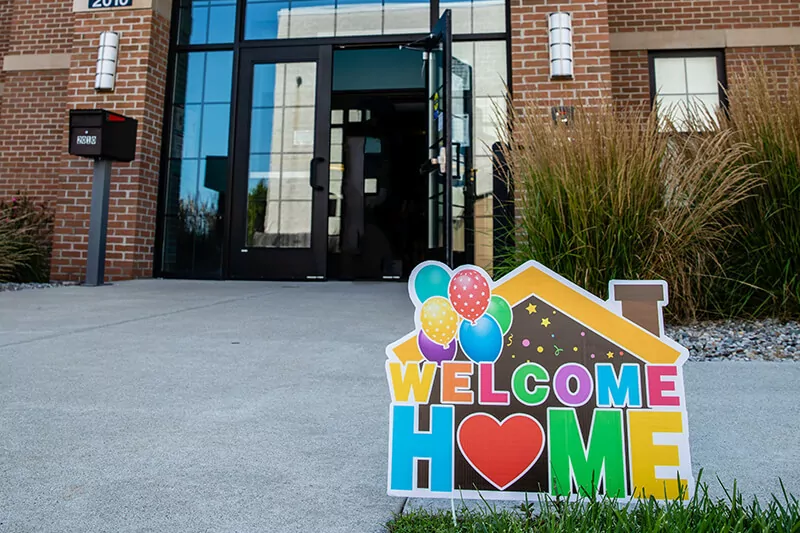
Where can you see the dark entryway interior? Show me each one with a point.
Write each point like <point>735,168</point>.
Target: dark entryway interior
<point>377,213</point>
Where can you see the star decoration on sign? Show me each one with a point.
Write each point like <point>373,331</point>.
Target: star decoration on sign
<point>531,309</point>
<point>610,355</point>
<point>545,322</point>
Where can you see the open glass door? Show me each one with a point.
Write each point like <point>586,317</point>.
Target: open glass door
<point>463,168</point>
<point>440,178</point>
<point>281,168</point>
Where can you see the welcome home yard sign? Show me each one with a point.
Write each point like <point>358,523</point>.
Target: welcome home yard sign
<point>531,385</point>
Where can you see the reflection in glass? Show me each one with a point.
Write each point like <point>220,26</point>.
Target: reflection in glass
<point>488,105</point>
<point>197,172</point>
<point>281,150</point>
<point>476,16</point>
<point>270,19</point>
<point>206,21</point>
<point>406,16</point>
<point>359,17</point>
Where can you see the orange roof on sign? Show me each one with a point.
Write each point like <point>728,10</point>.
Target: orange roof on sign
<point>534,279</point>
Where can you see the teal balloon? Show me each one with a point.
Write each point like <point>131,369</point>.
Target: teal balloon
<point>481,341</point>
<point>431,280</point>
<point>500,311</point>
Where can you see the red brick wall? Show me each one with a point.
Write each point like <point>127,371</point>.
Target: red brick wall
<point>40,26</point>
<point>139,93</point>
<point>630,77</point>
<point>669,15</point>
<point>33,102</point>
<point>33,135</point>
<point>530,60</point>
<point>779,60</point>
<point>5,26</point>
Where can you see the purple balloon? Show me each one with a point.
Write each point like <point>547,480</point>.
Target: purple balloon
<point>436,353</point>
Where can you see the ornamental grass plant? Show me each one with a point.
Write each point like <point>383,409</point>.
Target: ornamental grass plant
<point>25,241</point>
<point>764,115</point>
<point>621,195</point>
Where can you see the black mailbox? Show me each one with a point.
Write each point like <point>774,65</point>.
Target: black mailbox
<point>101,134</point>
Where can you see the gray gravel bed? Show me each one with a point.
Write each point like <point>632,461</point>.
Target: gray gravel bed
<point>22,286</point>
<point>740,340</point>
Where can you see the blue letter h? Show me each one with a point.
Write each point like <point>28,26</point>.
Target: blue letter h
<point>407,444</point>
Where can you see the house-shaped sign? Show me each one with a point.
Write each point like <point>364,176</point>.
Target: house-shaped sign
<point>532,385</point>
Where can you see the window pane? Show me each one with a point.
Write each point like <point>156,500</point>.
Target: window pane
<point>674,108</point>
<point>406,16</point>
<point>281,144</point>
<point>265,127</point>
<point>300,86</point>
<point>264,19</point>
<point>295,225</point>
<point>189,75</point>
<point>216,118</point>
<point>488,16</point>
<point>221,22</point>
<point>476,16</point>
<point>186,130</point>
<point>462,14</point>
<point>311,18</point>
<point>703,108</point>
<point>265,76</point>
<point>359,17</point>
<point>182,177</point>
<point>486,115</point>
<point>217,87</point>
<point>701,75</point>
<point>198,171</point>
<point>490,68</point>
<point>206,21</point>
<point>280,19</point>
<point>295,177</point>
<point>670,75</point>
<point>298,129</point>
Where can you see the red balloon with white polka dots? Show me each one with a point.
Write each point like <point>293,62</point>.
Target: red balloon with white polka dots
<point>469,293</point>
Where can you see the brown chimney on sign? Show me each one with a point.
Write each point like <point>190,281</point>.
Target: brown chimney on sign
<point>642,302</point>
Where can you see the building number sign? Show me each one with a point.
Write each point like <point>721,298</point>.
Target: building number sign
<point>98,4</point>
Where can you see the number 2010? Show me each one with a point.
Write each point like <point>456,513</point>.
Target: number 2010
<point>109,3</point>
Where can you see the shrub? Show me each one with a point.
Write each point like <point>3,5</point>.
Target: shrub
<point>765,115</point>
<point>612,196</point>
<point>25,240</point>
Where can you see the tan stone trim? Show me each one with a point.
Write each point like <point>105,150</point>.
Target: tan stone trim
<point>36,62</point>
<point>163,7</point>
<point>663,40</point>
<point>1,89</point>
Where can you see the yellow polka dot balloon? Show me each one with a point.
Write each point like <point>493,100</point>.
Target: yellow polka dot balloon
<point>439,320</point>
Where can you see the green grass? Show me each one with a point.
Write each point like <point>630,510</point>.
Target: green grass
<point>700,514</point>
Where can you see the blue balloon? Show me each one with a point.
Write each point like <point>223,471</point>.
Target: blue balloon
<point>481,341</point>
<point>431,280</point>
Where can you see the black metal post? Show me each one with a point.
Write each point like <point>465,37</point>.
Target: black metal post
<point>98,223</point>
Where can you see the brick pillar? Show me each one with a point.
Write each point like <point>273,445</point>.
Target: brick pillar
<point>35,39</point>
<point>530,54</point>
<point>139,93</point>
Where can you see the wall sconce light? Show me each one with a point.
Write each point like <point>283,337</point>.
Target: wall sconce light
<point>107,53</point>
<point>560,26</point>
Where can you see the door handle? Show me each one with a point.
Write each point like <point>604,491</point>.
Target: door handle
<point>315,162</point>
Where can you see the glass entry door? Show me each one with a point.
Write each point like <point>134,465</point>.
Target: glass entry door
<point>281,168</point>
<point>440,136</point>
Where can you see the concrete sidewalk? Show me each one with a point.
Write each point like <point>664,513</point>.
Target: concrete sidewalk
<point>184,406</point>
